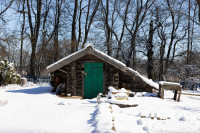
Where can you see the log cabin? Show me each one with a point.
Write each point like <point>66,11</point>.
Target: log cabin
<point>90,71</point>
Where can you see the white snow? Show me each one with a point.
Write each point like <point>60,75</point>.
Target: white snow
<point>112,89</point>
<point>169,83</point>
<point>11,65</point>
<point>59,61</point>
<point>146,80</point>
<point>2,62</point>
<point>89,44</point>
<point>121,96</point>
<point>34,109</point>
<point>123,90</point>
<point>109,57</point>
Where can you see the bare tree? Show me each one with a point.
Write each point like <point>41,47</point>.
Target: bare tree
<point>73,35</point>
<point>133,27</point>
<point>198,2</point>
<point>149,48</point>
<point>188,45</point>
<point>108,33</point>
<point>5,5</point>
<point>110,27</point>
<point>34,26</point>
<point>89,19</point>
<point>79,26</point>
<point>22,36</point>
<point>56,26</point>
<point>174,38</point>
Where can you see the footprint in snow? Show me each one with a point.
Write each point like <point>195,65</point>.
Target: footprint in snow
<point>139,122</point>
<point>61,103</point>
<point>182,119</point>
<point>145,128</point>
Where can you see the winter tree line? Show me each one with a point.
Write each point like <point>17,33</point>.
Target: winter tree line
<point>158,38</point>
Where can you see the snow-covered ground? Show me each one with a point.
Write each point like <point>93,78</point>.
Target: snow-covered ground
<point>34,110</point>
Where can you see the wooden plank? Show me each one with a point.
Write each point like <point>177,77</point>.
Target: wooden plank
<point>72,97</point>
<point>190,94</point>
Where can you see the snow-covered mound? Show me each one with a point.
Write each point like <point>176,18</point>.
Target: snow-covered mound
<point>112,89</point>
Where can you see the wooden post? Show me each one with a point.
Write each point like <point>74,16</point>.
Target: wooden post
<point>73,78</point>
<point>161,91</point>
<point>68,90</point>
<point>175,94</point>
<point>179,96</point>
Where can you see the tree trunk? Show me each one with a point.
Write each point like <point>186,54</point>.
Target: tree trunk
<point>198,2</point>
<point>150,51</point>
<point>56,46</point>
<point>132,52</point>
<point>34,33</point>
<point>79,26</point>
<point>22,39</point>
<point>32,62</point>
<point>57,23</point>
<point>161,61</point>
<point>108,44</point>
<point>73,38</point>
<point>188,45</point>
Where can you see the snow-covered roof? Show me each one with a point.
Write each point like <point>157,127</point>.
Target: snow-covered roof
<point>90,50</point>
<point>146,80</point>
<point>65,58</point>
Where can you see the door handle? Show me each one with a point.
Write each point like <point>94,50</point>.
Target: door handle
<point>85,74</point>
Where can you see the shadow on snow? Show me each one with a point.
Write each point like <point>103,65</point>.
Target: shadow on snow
<point>37,90</point>
<point>188,109</point>
<point>92,120</point>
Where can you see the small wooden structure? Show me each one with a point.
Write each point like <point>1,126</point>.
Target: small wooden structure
<point>23,81</point>
<point>176,87</point>
<point>90,71</point>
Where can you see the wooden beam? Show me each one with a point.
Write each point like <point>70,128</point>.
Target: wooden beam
<point>62,71</point>
<point>175,94</point>
<point>179,96</point>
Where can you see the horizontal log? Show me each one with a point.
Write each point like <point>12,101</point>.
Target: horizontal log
<point>78,86</point>
<point>116,75</point>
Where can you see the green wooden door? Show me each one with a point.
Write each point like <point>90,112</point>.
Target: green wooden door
<point>93,81</point>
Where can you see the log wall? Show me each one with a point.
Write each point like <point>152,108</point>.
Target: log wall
<point>74,77</point>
